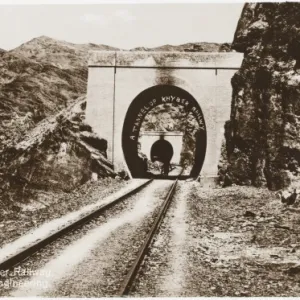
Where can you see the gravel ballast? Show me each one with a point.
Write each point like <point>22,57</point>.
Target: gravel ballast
<point>238,241</point>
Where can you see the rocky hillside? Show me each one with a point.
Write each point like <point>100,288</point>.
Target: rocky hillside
<point>38,79</point>
<point>263,140</point>
<point>58,53</point>
<point>31,91</point>
<point>45,147</point>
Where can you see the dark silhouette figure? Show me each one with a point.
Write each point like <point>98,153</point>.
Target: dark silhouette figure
<point>142,162</point>
<point>162,151</point>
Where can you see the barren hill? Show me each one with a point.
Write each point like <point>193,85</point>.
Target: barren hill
<point>58,53</point>
<point>38,79</point>
<point>31,91</point>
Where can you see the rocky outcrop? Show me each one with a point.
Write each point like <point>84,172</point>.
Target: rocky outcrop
<point>59,154</point>
<point>262,136</point>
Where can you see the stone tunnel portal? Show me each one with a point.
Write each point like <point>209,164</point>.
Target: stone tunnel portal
<point>116,78</point>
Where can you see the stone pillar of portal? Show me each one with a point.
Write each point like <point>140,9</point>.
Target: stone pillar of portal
<point>100,109</point>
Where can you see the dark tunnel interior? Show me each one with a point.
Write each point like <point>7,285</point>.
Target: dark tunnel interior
<point>162,151</point>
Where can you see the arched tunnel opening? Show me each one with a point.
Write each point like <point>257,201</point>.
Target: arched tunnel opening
<point>162,151</point>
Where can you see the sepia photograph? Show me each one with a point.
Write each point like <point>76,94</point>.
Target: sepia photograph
<point>149,149</point>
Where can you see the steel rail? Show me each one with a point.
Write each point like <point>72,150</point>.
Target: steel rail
<point>18,258</point>
<point>126,285</point>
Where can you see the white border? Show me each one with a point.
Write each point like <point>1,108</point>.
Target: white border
<point>87,2</point>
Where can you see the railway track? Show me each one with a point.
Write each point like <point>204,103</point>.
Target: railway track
<point>132,274</point>
<point>22,257</point>
<point>15,260</point>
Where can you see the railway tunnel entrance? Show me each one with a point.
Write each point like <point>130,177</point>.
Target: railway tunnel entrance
<point>126,86</point>
<point>162,150</point>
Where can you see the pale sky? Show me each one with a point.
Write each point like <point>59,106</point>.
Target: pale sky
<point>121,25</point>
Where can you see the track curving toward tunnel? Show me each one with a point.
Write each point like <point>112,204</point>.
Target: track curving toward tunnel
<point>129,280</point>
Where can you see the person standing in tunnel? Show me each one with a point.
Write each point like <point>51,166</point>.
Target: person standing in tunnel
<point>166,167</point>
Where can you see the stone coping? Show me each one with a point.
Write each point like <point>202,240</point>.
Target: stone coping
<point>148,59</point>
